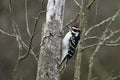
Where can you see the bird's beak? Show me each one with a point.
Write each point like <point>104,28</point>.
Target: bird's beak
<point>78,29</point>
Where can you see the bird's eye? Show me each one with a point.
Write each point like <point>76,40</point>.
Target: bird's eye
<point>75,30</point>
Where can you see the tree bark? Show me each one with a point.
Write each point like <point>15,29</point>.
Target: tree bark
<point>84,15</point>
<point>51,49</point>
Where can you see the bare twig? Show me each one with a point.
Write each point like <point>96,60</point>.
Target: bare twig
<point>19,53</point>
<point>96,10</point>
<point>33,34</point>
<point>114,78</point>
<point>23,43</point>
<point>31,51</point>
<point>18,37</point>
<point>104,21</point>
<point>82,4</point>
<point>102,42</point>
<point>90,46</point>
<point>112,45</point>
<point>73,20</point>
<point>43,11</point>
<point>112,34</point>
<point>114,41</point>
<point>76,2</point>
<point>93,37</point>
<point>95,78</point>
<point>15,26</point>
<point>90,3</point>
<point>8,34</point>
<point>26,18</point>
<point>17,34</point>
<point>91,61</point>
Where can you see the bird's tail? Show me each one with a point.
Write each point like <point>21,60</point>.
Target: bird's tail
<point>62,65</point>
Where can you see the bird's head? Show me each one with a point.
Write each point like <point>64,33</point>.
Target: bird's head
<point>75,30</point>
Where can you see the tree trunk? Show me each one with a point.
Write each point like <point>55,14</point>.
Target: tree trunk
<point>51,44</point>
<point>84,15</point>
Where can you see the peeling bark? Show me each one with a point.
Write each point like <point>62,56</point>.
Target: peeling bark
<point>50,51</point>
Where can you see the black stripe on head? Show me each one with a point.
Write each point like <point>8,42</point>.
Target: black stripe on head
<point>75,29</point>
<point>75,26</point>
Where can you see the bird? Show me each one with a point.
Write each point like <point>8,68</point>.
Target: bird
<point>69,44</point>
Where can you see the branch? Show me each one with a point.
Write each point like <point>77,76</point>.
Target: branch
<point>96,10</point>
<point>114,78</point>
<point>73,20</point>
<point>93,37</point>
<point>95,78</point>
<point>112,34</point>
<point>26,47</point>
<point>104,21</point>
<point>77,3</point>
<point>20,48</point>
<point>112,45</point>
<point>18,36</point>
<point>90,3</point>
<point>90,46</point>
<point>23,43</point>
<point>8,34</point>
<point>33,34</point>
<point>102,42</point>
<point>114,41</point>
<point>26,18</point>
<point>91,61</point>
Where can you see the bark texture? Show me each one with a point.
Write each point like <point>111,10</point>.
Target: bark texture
<point>51,49</point>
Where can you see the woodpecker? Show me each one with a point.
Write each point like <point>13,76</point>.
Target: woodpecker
<point>69,44</point>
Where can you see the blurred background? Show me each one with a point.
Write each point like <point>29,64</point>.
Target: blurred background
<point>107,62</point>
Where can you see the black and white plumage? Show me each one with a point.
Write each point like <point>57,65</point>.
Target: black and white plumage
<point>69,43</point>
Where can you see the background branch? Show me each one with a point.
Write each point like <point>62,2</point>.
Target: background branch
<point>71,21</point>
<point>18,37</point>
<point>8,34</point>
<point>104,21</point>
<point>100,43</point>
<point>26,18</point>
<point>76,2</point>
<point>93,37</point>
<point>89,46</point>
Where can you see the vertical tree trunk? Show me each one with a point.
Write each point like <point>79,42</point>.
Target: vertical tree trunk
<point>51,49</point>
<point>84,15</point>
